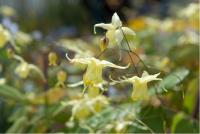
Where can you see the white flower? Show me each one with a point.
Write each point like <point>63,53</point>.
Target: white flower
<point>115,32</point>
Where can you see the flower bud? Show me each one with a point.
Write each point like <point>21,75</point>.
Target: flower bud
<point>103,43</point>
<point>52,59</point>
<point>61,76</point>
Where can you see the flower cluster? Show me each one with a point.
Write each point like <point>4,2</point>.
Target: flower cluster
<point>93,81</point>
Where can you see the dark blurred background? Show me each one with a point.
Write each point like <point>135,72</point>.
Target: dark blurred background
<point>77,17</point>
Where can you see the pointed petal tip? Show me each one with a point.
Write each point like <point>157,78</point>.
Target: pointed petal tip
<point>66,55</point>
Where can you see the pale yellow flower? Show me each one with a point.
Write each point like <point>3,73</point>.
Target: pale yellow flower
<point>86,106</point>
<point>4,36</point>
<point>93,74</point>
<point>23,70</point>
<point>140,91</point>
<point>115,30</point>
<point>191,11</point>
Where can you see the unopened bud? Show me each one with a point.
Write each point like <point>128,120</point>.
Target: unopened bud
<point>61,76</point>
<point>52,59</point>
<point>103,43</point>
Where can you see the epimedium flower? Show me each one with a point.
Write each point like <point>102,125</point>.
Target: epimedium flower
<point>4,36</point>
<point>93,74</point>
<point>140,91</point>
<point>86,106</point>
<point>115,31</point>
<point>24,69</point>
<point>61,77</point>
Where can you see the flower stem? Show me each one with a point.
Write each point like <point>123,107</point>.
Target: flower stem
<point>129,52</point>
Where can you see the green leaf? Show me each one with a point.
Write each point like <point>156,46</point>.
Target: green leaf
<point>19,125</point>
<point>191,95</point>
<point>153,118</point>
<point>110,115</point>
<point>11,93</point>
<point>17,113</point>
<point>170,81</point>
<point>183,124</point>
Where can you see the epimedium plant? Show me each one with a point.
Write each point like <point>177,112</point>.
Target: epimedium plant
<point>88,105</point>
<point>93,81</point>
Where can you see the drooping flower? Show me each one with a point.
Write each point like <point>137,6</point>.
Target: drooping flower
<point>93,74</point>
<point>61,77</point>
<point>24,68</point>
<point>115,31</point>
<point>140,91</point>
<point>52,59</point>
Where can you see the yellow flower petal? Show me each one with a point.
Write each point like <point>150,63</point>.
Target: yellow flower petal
<point>140,91</point>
